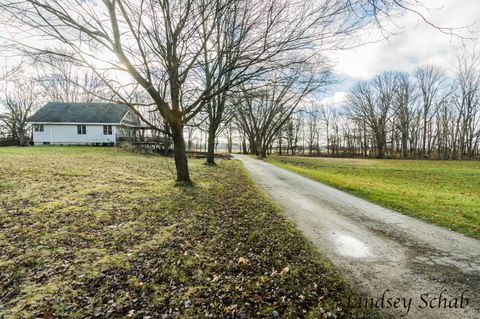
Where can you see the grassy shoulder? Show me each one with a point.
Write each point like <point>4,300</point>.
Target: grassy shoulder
<point>446,193</point>
<point>95,232</point>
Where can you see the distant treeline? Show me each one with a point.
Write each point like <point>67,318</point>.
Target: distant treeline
<point>423,114</point>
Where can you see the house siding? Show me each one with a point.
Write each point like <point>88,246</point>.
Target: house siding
<point>55,134</point>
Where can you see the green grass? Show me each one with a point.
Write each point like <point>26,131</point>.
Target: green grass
<point>99,232</point>
<point>445,193</point>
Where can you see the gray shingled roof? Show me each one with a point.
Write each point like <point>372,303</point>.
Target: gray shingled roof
<point>58,112</point>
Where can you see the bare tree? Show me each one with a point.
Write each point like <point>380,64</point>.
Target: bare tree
<point>372,102</point>
<point>312,122</point>
<point>291,130</point>
<point>329,114</point>
<point>66,81</point>
<point>228,132</point>
<point>405,103</point>
<point>431,83</point>
<point>20,99</point>
<point>262,111</point>
<point>467,102</point>
<point>222,55</point>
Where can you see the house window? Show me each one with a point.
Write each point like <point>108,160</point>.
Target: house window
<point>38,127</point>
<point>107,130</point>
<point>81,129</point>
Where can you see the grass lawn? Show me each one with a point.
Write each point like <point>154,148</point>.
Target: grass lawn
<point>446,193</point>
<point>103,233</point>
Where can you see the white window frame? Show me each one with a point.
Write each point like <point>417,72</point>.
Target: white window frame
<point>81,129</point>
<point>107,130</point>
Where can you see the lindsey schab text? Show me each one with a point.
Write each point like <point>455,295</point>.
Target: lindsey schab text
<point>431,300</point>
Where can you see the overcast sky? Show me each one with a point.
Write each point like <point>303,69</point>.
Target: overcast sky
<point>416,44</point>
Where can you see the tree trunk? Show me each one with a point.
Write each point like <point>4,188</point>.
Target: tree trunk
<point>21,137</point>
<point>179,150</point>
<point>244,146</point>
<point>381,142</point>
<point>211,147</point>
<point>166,138</point>
<point>424,142</point>
<point>229,140</point>
<point>404,142</point>
<point>253,146</point>
<point>263,151</point>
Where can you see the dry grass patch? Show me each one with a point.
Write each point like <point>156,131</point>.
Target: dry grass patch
<point>102,233</point>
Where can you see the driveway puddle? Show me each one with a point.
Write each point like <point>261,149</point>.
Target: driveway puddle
<point>351,247</point>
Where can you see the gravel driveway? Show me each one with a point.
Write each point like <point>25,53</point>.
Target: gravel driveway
<point>403,265</point>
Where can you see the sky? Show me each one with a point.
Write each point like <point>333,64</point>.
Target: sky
<point>415,44</point>
<point>411,43</point>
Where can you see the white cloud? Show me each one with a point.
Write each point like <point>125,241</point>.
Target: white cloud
<point>418,44</point>
<point>336,99</point>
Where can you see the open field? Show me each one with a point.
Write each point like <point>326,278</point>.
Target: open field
<point>95,232</point>
<point>446,193</point>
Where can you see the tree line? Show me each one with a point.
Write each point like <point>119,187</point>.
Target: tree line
<point>427,113</point>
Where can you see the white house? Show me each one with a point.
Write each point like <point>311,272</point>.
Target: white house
<point>59,123</point>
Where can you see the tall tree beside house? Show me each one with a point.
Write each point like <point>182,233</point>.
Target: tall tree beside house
<point>160,44</point>
<point>21,97</point>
